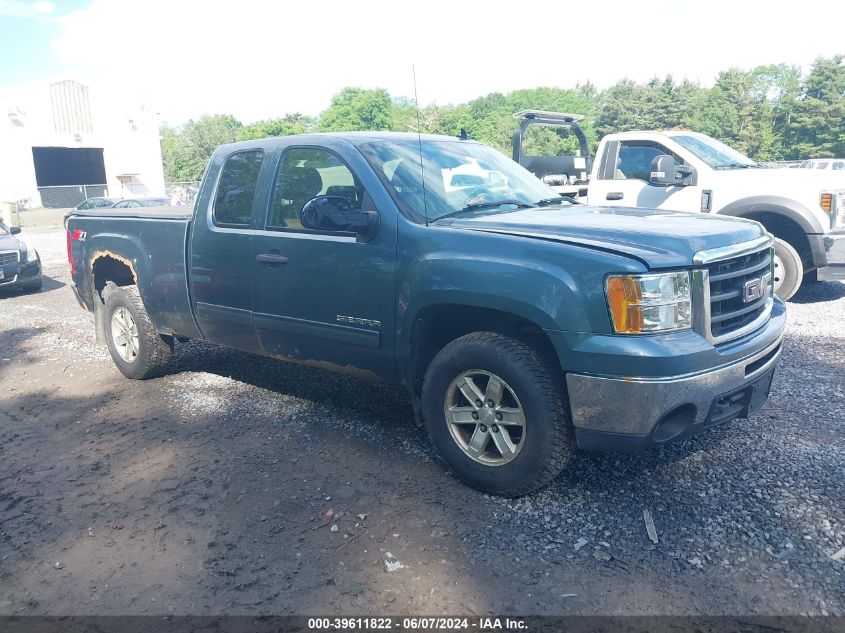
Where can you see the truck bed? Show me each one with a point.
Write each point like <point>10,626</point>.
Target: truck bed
<point>151,242</point>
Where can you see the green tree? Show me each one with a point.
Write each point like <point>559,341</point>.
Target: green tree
<point>173,160</point>
<point>818,124</point>
<point>784,90</point>
<point>357,109</point>
<point>185,151</point>
<point>491,120</point>
<point>746,95</point>
<point>659,104</point>
<point>287,125</point>
<point>769,112</point>
<point>620,108</point>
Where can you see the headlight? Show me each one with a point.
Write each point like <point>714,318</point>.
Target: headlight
<point>837,215</point>
<point>641,304</point>
<point>28,254</point>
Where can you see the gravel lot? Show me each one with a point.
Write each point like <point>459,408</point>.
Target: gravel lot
<point>199,492</point>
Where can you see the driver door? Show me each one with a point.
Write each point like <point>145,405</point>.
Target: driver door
<point>321,297</point>
<point>627,184</point>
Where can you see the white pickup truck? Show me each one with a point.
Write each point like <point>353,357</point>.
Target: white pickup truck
<point>687,171</point>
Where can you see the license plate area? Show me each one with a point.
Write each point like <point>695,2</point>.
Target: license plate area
<point>742,402</point>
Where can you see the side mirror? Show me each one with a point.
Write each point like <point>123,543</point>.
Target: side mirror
<point>665,171</point>
<point>14,230</point>
<point>334,213</point>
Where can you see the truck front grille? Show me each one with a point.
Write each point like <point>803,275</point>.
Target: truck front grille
<point>8,257</point>
<point>734,285</point>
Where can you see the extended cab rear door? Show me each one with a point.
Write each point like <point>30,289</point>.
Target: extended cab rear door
<point>319,297</point>
<point>623,179</point>
<point>220,256</point>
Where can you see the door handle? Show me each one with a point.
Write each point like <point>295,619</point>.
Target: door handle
<point>271,258</point>
<point>615,195</point>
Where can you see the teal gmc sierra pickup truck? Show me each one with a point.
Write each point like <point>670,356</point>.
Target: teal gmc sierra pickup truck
<point>522,325</point>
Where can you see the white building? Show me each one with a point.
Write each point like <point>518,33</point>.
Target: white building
<point>63,142</point>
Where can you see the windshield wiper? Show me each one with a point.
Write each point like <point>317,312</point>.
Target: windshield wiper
<point>493,204</point>
<point>546,202</point>
<point>480,206</point>
<point>737,166</point>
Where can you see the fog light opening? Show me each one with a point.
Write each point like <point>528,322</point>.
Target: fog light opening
<point>674,423</point>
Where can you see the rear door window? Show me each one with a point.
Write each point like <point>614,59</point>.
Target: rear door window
<point>236,188</point>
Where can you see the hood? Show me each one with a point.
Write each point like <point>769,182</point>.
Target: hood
<point>784,179</point>
<point>9,243</point>
<point>660,239</point>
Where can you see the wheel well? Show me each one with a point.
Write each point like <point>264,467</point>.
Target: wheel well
<point>108,268</point>
<point>787,230</point>
<point>437,326</point>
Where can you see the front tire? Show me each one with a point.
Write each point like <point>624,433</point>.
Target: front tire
<point>135,347</point>
<point>788,270</point>
<point>497,414</point>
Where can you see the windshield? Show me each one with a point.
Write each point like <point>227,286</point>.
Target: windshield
<point>460,177</point>
<point>713,152</point>
<point>3,230</point>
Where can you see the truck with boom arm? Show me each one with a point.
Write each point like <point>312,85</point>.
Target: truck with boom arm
<point>687,171</point>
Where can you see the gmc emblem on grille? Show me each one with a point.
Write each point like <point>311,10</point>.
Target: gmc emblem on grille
<point>756,288</point>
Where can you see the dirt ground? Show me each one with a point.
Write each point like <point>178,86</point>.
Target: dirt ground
<point>201,492</point>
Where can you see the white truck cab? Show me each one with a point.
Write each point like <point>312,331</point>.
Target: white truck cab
<point>687,171</point>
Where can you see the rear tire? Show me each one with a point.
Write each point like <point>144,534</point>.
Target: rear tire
<point>514,446</point>
<point>135,347</point>
<point>789,270</point>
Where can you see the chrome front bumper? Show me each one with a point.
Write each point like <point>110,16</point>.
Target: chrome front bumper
<point>616,412</point>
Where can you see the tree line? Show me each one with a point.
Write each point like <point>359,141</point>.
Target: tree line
<point>769,113</point>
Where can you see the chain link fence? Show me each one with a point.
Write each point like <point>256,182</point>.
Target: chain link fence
<point>60,197</point>
<point>66,196</point>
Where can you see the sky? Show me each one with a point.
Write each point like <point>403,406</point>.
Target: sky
<point>257,60</point>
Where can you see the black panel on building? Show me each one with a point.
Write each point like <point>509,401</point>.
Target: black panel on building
<point>56,166</point>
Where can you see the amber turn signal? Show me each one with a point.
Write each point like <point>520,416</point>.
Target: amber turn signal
<point>826,202</point>
<point>623,294</point>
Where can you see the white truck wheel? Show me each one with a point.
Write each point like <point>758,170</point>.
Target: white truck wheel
<point>789,270</point>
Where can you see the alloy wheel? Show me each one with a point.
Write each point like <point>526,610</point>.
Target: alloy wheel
<point>124,334</point>
<point>485,418</point>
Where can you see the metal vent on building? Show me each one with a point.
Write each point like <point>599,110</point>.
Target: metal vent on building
<point>71,108</point>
